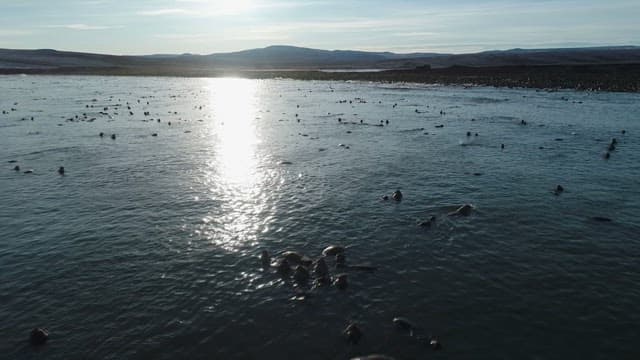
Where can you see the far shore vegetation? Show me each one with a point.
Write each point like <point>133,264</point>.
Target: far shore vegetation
<point>610,77</point>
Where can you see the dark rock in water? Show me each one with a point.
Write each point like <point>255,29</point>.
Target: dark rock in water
<point>39,336</point>
<point>61,170</point>
<point>332,250</point>
<point>353,333</point>
<point>397,195</point>
<point>341,281</point>
<point>601,219</point>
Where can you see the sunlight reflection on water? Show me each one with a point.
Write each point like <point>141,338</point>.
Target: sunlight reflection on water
<point>234,175</point>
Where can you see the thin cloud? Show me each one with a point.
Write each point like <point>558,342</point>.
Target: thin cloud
<point>162,12</point>
<point>83,27</point>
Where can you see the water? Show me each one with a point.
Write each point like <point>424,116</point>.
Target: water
<point>146,247</point>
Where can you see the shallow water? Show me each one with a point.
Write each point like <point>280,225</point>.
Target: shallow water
<point>146,247</point>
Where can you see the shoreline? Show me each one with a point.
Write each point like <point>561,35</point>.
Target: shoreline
<point>611,78</point>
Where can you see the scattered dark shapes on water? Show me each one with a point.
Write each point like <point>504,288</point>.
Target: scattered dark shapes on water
<point>340,281</point>
<point>601,219</point>
<point>39,336</point>
<point>352,333</point>
<point>61,170</point>
<point>522,122</point>
<point>397,195</point>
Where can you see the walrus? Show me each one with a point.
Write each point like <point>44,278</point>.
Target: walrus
<point>333,250</point>
<point>301,274</point>
<point>397,195</point>
<point>61,170</point>
<point>265,258</point>
<point>404,324</point>
<point>464,210</point>
<point>427,223</point>
<point>352,333</point>
<point>373,357</point>
<point>320,269</point>
<point>340,281</point>
<point>16,168</point>
<point>296,258</point>
<point>283,267</point>
<point>39,336</point>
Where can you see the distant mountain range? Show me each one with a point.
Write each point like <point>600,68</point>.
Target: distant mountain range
<point>297,58</point>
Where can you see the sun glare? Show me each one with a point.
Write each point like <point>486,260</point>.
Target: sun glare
<point>233,103</point>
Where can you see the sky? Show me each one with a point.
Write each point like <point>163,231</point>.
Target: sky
<point>142,27</point>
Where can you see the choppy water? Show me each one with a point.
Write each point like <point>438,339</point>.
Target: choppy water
<point>146,248</point>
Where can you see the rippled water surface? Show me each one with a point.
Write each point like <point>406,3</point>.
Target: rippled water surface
<point>147,247</point>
